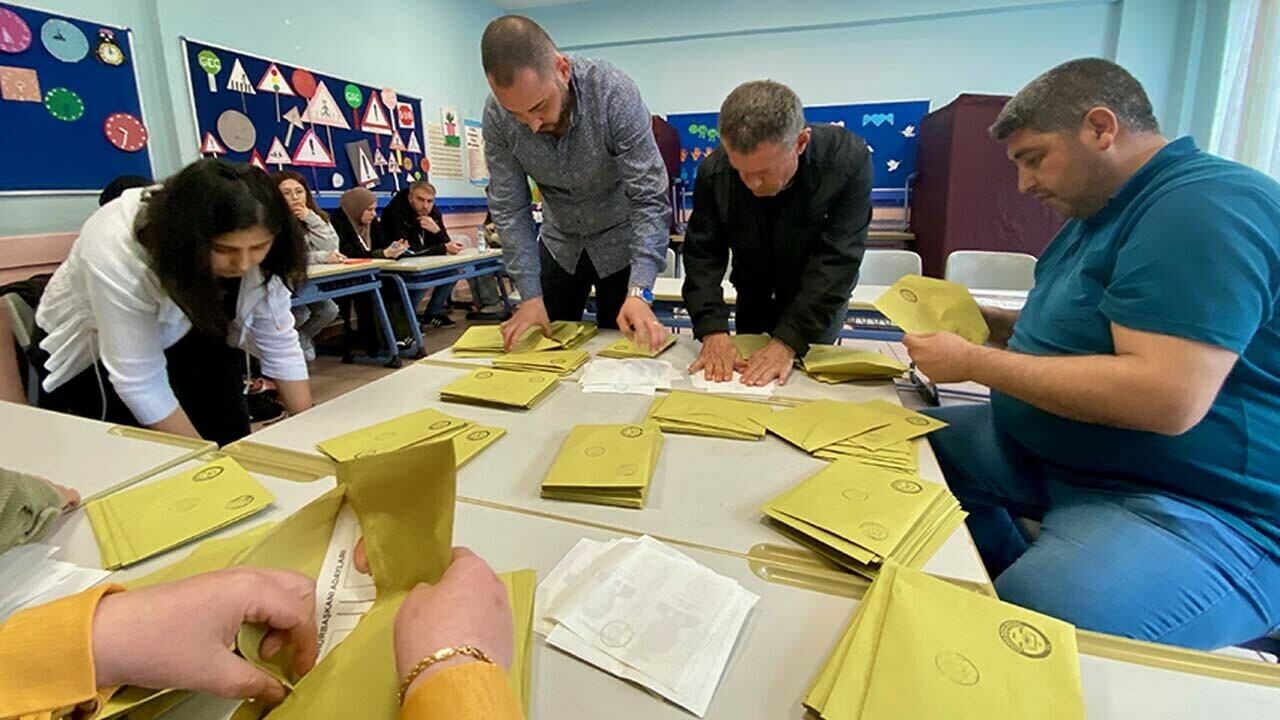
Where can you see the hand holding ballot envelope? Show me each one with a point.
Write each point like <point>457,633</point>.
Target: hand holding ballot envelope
<point>944,325</point>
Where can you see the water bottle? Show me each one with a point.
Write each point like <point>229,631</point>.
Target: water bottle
<point>482,242</point>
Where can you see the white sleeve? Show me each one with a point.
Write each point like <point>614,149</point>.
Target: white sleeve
<point>274,337</point>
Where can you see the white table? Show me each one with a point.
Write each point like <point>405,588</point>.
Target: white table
<point>669,290</point>
<point>88,456</point>
<point>706,492</point>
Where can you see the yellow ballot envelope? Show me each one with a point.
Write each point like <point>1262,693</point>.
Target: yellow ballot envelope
<point>556,361</point>
<point>835,364</point>
<point>504,388</point>
<point>693,413</point>
<point>404,503</point>
<point>486,340</point>
<point>748,344</point>
<point>903,456</point>
<point>920,304</point>
<point>815,425</point>
<point>605,465</point>
<point>391,435</point>
<point>904,655</point>
<point>624,348</point>
<point>133,525</point>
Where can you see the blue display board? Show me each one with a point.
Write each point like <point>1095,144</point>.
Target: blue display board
<point>890,129</point>
<point>69,108</point>
<point>253,109</point>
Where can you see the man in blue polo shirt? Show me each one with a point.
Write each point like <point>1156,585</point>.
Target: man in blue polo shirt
<point>1136,409</point>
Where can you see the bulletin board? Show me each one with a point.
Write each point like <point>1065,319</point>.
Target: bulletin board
<point>336,133</point>
<point>69,104</point>
<point>890,129</point>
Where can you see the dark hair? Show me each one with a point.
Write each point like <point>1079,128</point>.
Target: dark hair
<point>281,176</point>
<point>116,188</point>
<point>205,200</point>
<point>1060,98</point>
<point>760,111</point>
<point>513,43</point>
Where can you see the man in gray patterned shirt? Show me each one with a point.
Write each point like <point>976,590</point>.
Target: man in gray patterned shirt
<point>580,129</point>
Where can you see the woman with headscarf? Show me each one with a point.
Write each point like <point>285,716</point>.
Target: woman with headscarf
<point>360,236</point>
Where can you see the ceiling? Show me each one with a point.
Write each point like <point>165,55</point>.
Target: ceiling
<point>522,4</point>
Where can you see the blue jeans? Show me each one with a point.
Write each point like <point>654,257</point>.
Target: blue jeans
<point>439,296</point>
<point>1141,565</point>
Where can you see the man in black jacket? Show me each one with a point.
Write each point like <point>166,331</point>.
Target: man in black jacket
<point>793,204</point>
<point>412,216</point>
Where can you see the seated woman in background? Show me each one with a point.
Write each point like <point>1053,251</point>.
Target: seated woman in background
<point>360,236</point>
<point>151,319</point>
<point>322,248</point>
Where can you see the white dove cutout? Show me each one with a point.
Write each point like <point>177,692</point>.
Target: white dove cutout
<point>893,165</point>
<point>909,131</point>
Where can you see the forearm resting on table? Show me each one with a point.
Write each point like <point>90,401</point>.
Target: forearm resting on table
<point>177,423</point>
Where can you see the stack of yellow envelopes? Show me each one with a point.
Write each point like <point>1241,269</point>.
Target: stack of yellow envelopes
<point>829,429</point>
<point>624,348</point>
<point>416,428</point>
<point>903,457</point>
<point>926,305</point>
<point>605,465</point>
<point>486,340</point>
<point>835,364</point>
<point>136,524</point>
<point>556,361</point>
<point>859,516</point>
<point>693,413</point>
<point>920,647</point>
<point>504,388</point>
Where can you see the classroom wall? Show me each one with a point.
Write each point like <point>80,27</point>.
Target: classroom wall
<point>426,48</point>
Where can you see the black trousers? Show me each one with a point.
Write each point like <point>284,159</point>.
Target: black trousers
<point>206,374</point>
<point>565,294</point>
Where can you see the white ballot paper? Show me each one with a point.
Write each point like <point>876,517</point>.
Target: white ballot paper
<point>29,576</point>
<point>627,376</point>
<point>642,611</point>
<point>343,593</point>
<point>731,387</point>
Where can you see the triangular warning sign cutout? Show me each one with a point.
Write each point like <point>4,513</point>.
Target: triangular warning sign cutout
<point>322,109</point>
<point>256,160</point>
<point>396,142</point>
<point>273,82</point>
<point>211,146</point>
<point>375,117</point>
<point>365,173</point>
<point>393,167</point>
<point>278,154</point>
<point>379,159</point>
<point>312,152</point>
<point>414,148</point>
<point>239,80</point>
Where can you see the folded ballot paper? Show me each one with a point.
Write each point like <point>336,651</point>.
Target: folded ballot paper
<point>692,413</point>
<point>136,524</point>
<point>503,388</point>
<point>926,305</point>
<point>556,361</point>
<point>605,465</point>
<point>631,376</point>
<point>919,647</point>
<point>828,428</point>
<point>646,613</point>
<point>835,364</point>
<point>29,576</point>
<point>486,340</point>
<point>733,386</point>
<point>419,427</point>
<point>859,516</point>
<point>624,348</point>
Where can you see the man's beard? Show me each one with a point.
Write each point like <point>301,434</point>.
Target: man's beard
<point>566,110</point>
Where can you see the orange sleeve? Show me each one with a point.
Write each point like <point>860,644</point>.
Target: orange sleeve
<point>474,691</point>
<point>46,658</point>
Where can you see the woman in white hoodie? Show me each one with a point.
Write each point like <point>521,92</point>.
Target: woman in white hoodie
<point>151,319</point>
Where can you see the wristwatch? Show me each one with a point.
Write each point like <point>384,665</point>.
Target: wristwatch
<point>643,293</point>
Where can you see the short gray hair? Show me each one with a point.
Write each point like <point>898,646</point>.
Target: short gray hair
<point>1059,99</point>
<point>760,111</point>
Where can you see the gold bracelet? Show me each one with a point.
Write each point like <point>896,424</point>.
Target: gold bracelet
<point>437,657</point>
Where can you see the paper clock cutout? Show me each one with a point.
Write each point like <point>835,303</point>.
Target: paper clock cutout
<point>239,80</point>
<point>19,84</point>
<point>64,40</point>
<point>278,154</point>
<point>312,152</point>
<point>323,110</point>
<point>15,34</point>
<point>375,117</point>
<point>256,160</point>
<point>64,104</point>
<point>237,130</point>
<point>304,82</point>
<point>125,131</point>
<point>108,52</point>
<point>273,82</point>
<point>211,146</point>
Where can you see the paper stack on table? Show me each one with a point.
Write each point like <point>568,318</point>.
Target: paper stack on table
<point>503,388</point>
<point>926,305</point>
<point>624,348</point>
<point>731,387</point>
<point>835,364</point>
<point>920,647</point>
<point>605,465</point>
<point>877,429</point>
<point>859,516</point>
<point>632,376</point>
<point>692,413</point>
<point>646,613</point>
<point>486,340</point>
<point>556,361</point>
<point>135,524</point>
<point>29,576</point>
